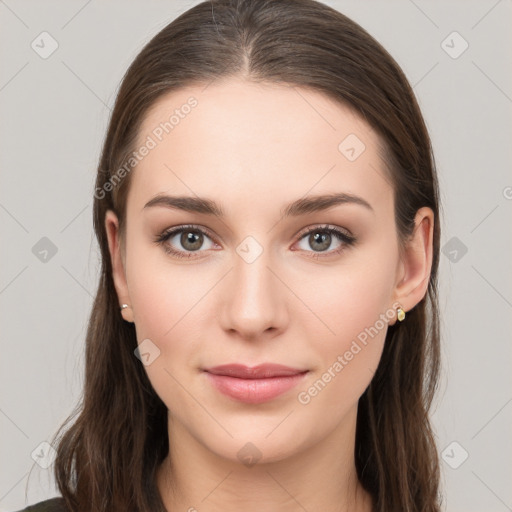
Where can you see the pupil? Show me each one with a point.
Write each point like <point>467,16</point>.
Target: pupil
<point>190,238</point>
<point>325,238</point>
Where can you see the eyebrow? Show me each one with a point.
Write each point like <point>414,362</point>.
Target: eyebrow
<point>299,207</point>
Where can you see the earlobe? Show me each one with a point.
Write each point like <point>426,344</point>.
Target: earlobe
<point>416,262</point>
<point>118,271</point>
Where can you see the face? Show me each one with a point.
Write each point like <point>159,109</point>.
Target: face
<point>311,288</point>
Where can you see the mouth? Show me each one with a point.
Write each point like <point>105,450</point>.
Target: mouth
<point>254,385</point>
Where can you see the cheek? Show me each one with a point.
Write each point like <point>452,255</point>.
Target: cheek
<point>352,311</point>
<point>170,302</point>
<point>163,294</point>
<point>167,300</point>
<point>345,301</point>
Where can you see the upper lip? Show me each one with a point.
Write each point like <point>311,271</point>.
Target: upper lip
<point>262,371</point>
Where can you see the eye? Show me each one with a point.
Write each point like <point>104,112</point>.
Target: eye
<point>184,241</point>
<point>190,238</point>
<point>321,238</point>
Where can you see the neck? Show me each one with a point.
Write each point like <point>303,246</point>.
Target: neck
<point>320,477</point>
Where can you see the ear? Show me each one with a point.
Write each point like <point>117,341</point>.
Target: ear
<point>118,272</point>
<point>416,262</point>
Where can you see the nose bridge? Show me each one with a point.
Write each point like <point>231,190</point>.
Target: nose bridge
<point>254,302</point>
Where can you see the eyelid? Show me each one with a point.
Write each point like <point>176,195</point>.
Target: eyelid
<point>168,233</point>
<point>324,227</point>
<point>343,235</point>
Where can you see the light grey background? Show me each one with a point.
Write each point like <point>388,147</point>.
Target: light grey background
<point>54,113</point>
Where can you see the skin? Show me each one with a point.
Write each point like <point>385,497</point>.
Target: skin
<point>254,148</point>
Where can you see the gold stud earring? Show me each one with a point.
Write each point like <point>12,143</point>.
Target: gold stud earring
<point>125,313</point>
<point>400,314</point>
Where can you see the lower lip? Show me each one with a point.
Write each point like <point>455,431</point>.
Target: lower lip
<point>254,391</point>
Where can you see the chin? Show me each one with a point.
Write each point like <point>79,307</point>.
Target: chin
<point>258,444</point>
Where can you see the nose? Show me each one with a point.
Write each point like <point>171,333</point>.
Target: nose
<point>255,302</point>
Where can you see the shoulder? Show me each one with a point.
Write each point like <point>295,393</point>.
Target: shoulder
<point>51,505</point>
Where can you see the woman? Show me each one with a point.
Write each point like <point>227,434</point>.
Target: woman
<point>265,334</point>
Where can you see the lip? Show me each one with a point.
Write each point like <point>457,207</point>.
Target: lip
<point>261,371</point>
<point>254,385</point>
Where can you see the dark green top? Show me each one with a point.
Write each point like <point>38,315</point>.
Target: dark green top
<point>51,505</point>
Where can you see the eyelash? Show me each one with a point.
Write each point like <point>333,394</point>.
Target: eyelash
<point>343,237</point>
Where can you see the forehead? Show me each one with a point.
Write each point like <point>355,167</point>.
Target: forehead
<point>246,138</point>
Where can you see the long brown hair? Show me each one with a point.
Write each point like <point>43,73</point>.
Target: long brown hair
<point>115,439</point>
